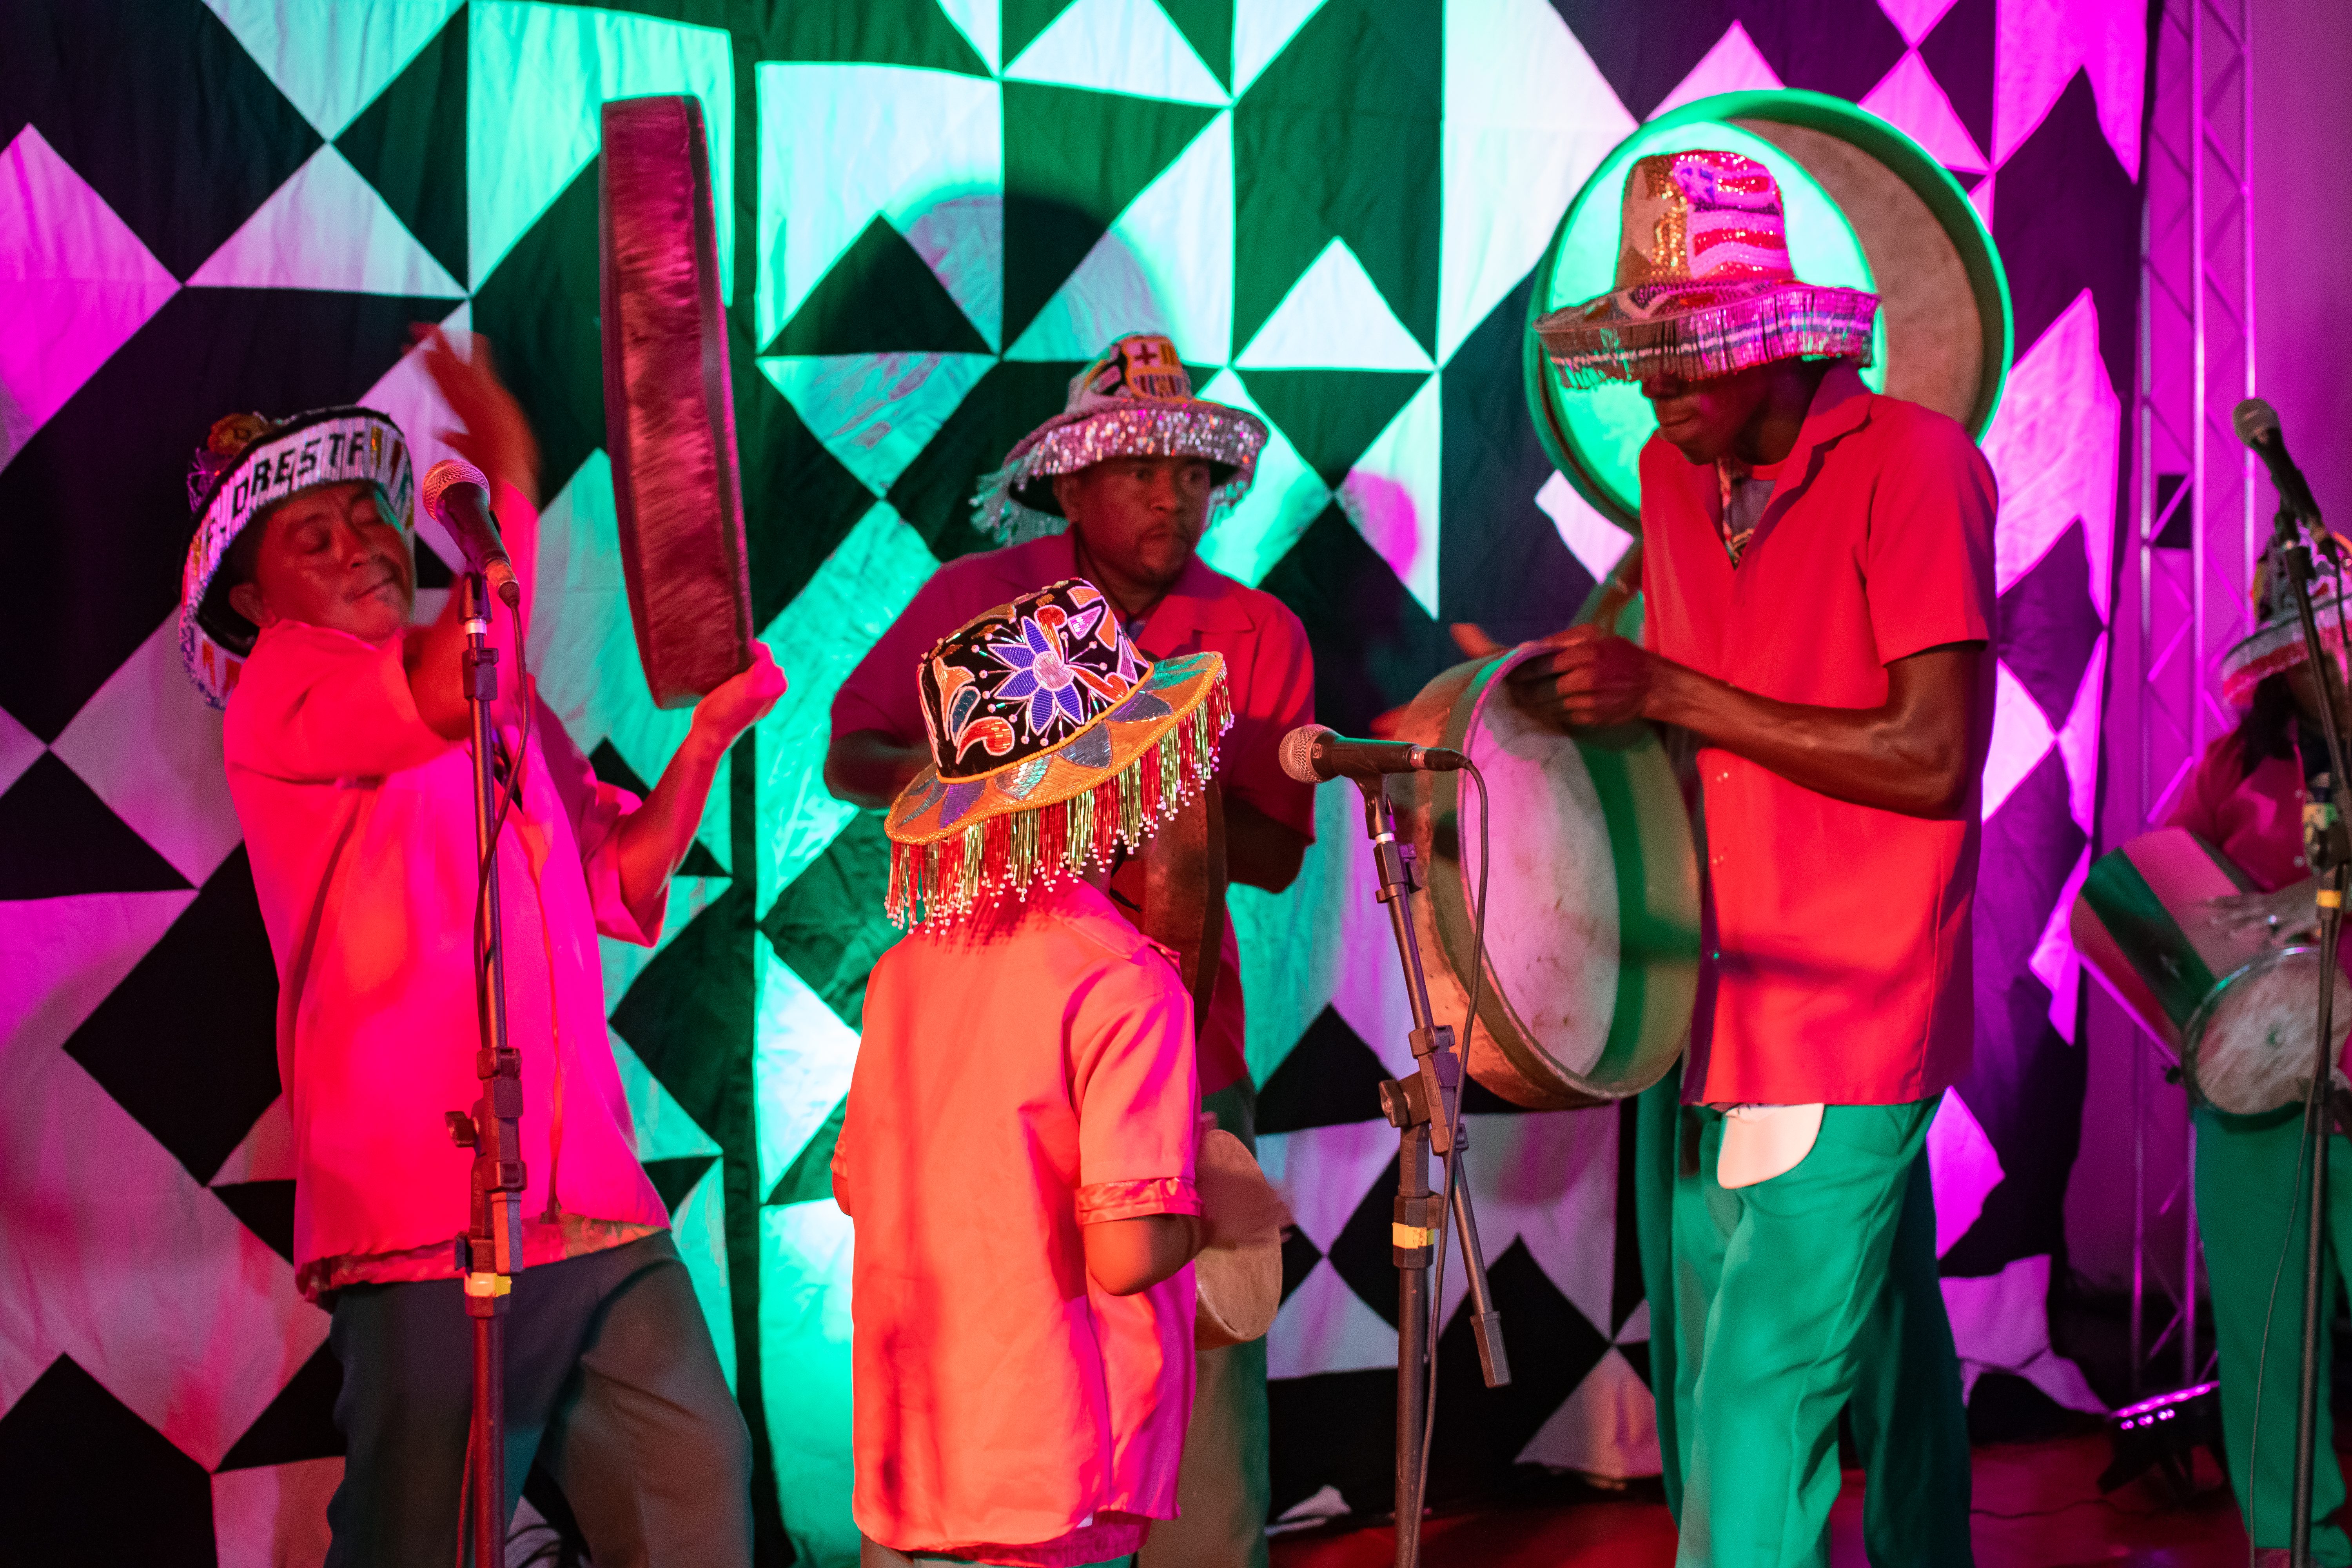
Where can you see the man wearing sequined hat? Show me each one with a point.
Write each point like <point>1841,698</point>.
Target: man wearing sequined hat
<point>1021,1152</point>
<point>1817,583</point>
<point>1118,487</point>
<point>346,739</point>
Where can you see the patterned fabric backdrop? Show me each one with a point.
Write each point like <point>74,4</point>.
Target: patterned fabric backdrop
<point>929,212</point>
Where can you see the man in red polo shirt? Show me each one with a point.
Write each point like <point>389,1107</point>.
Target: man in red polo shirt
<point>1118,489</point>
<point>1817,578</point>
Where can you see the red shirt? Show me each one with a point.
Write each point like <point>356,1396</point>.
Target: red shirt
<point>2255,819</point>
<point>1269,673</point>
<point>1005,1408</point>
<point>1838,966</point>
<point>359,821</point>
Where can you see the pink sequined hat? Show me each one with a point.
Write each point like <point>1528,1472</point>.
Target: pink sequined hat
<point>1704,284</point>
<point>1134,400</point>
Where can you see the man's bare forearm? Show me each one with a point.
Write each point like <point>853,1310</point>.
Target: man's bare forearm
<point>1916,754</point>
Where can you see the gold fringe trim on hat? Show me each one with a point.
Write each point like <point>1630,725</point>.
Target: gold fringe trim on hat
<point>1011,852</point>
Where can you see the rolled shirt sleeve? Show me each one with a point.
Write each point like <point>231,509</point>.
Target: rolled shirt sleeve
<point>1138,1097</point>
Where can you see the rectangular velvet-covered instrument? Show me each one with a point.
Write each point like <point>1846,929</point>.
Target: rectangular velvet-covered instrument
<point>669,415</point>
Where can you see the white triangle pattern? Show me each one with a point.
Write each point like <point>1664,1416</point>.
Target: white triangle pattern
<point>1734,65</point>
<point>840,144</point>
<point>978,21</point>
<point>75,284</point>
<point>1334,317</point>
<point>1165,264</point>
<point>1118,46</point>
<point>537,76</point>
<point>1261,30</point>
<point>801,1062</point>
<point>1912,100</point>
<point>875,412</point>
<point>1391,494</point>
<point>2021,735</point>
<point>1608,1426</point>
<point>330,57</point>
<point>1597,543</point>
<point>1284,499</point>
<point>1525,127</point>
<point>326,228</point>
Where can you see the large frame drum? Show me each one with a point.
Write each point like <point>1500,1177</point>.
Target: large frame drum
<point>1592,901</point>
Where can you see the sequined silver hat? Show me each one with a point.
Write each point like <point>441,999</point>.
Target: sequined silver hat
<point>1134,400</point>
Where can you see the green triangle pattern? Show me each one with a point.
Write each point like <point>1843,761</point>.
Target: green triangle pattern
<point>1073,160</point>
<point>875,32</point>
<point>410,144</point>
<point>1338,137</point>
<point>1333,415</point>
<point>1020,22</point>
<point>879,297</point>
<point>1208,26</point>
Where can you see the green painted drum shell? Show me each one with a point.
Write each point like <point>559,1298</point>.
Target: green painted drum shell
<point>1948,323</point>
<point>1636,929</point>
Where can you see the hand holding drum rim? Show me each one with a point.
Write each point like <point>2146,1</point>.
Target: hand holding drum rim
<point>1591,680</point>
<point>2290,914</point>
<point>739,702</point>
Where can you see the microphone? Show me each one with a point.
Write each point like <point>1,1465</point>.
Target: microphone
<point>1313,753</point>
<point>457,497</point>
<point>2258,426</point>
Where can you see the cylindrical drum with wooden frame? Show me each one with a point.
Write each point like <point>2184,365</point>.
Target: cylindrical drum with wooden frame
<point>1591,903</point>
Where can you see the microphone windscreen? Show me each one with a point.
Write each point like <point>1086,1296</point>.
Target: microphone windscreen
<point>2256,420</point>
<point>441,475</point>
<point>1297,751</point>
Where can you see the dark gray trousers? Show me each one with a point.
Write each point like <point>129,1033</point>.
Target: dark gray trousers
<point>611,1383</point>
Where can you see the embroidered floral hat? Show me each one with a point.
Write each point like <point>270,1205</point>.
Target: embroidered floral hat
<point>248,464</point>
<point>1704,284</point>
<point>1134,400</point>
<point>1053,744</point>
<point>2277,643</point>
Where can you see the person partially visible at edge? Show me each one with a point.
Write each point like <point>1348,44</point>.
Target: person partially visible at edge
<point>346,743</point>
<point>2246,799</point>
<point>1029,1186</point>
<point>1816,584</point>
<point>1118,489</point>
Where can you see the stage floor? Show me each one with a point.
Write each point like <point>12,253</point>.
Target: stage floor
<point>2037,1506</point>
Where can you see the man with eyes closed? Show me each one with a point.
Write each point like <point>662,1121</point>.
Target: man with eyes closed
<point>347,744</point>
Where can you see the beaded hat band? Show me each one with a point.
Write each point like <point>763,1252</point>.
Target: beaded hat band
<point>248,464</point>
<point>1134,400</point>
<point>1704,284</point>
<point>1054,745</point>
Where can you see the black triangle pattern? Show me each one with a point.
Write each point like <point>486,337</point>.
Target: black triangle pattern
<point>798,503</point>
<point>828,925</point>
<point>1332,417</point>
<point>299,1424</point>
<point>878,32</point>
<point>1330,1078</point>
<point>1481,1430</point>
<point>688,1014</point>
<point>57,838</point>
<point>810,1175</point>
<point>1208,26</point>
<point>161,109</point>
<point>674,1179</point>
<point>1958,53</point>
<point>1299,1256</point>
<point>198,1085</point>
<point>934,493</point>
<point>2062,198</point>
<point>88,1481</point>
<point>551,353</point>
<point>2046,627</point>
<point>206,351</point>
<point>1021,23</point>
<point>266,1209</point>
<point>1073,160</point>
<point>880,297</point>
<point>1349,599</point>
<point>410,144</point>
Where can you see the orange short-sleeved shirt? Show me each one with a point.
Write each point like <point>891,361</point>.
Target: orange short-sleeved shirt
<point>1269,674</point>
<point>1017,1078</point>
<point>1837,964</point>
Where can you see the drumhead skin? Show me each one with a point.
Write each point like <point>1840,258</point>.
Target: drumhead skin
<point>1592,902</point>
<point>1867,208</point>
<point>2249,1049</point>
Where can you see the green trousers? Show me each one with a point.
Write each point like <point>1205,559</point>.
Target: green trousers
<point>1794,1299</point>
<point>2249,1206</point>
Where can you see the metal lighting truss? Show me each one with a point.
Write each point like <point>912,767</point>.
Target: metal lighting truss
<point>2188,558</point>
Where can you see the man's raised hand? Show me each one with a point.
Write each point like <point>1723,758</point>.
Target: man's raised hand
<point>741,701</point>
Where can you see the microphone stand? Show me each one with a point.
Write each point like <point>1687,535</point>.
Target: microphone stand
<point>489,1253</point>
<point>1422,1109</point>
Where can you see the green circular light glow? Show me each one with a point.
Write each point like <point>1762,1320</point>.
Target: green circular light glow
<point>1607,425</point>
